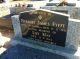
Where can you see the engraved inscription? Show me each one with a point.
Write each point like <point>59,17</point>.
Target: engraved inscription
<point>44,26</point>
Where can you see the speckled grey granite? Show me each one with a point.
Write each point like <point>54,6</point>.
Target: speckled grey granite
<point>72,10</point>
<point>75,13</point>
<point>16,25</point>
<point>73,34</point>
<point>17,10</point>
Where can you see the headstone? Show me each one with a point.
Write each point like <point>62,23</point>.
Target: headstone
<point>72,9</point>
<point>48,31</point>
<point>48,27</point>
<point>44,26</point>
<point>17,10</point>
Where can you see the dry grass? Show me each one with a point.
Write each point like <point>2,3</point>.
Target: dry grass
<point>4,43</point>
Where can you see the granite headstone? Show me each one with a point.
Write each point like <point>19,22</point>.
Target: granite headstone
<point>65,45</point>
<point>44,26</point>
<point>36,25</point>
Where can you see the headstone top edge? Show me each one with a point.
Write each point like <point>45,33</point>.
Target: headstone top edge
<point>53,12</point>
<point>25,11</point>
<point>75,20</point>
<point>15,16</point>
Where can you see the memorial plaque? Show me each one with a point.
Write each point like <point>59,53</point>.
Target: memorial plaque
<point>44,26</point>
